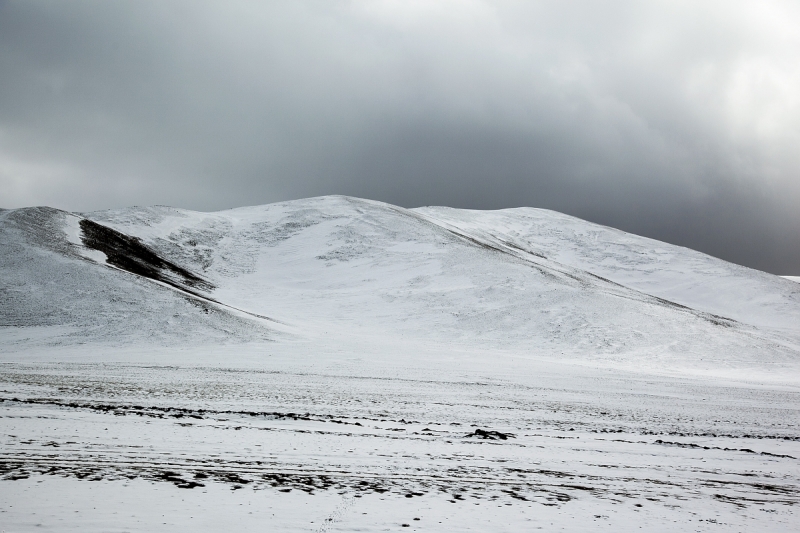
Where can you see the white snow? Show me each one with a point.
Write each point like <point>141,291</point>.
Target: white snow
<point>348,352</point>
<point>72,231</point>
<point>678,274</point>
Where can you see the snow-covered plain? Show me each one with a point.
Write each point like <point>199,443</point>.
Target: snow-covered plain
<point>338,364</point>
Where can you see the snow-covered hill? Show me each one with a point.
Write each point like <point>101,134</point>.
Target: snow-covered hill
<point>340,273</point>
<point>348,365</point>
<point>56,292</point>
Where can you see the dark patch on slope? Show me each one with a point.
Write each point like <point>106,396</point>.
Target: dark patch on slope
<point>132,255</point>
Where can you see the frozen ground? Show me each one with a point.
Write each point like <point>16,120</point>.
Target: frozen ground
<point>336,364</point>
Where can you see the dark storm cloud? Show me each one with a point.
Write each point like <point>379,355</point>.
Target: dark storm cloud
<point>673,120</point>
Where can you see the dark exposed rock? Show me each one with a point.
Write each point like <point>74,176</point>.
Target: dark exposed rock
<point>489,434</point>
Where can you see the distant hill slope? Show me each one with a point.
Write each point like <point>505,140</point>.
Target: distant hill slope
<point>57,292</point>
<point>675,273</point>
<point>340,271</point>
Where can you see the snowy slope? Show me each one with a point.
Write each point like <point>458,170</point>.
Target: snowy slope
<point>57,292</point>
<point>351,274</point>
<point>672,272</point>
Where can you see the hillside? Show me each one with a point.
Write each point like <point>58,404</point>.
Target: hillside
<point>339,273</point>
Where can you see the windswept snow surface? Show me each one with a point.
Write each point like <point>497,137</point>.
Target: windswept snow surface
<point>348,365</point>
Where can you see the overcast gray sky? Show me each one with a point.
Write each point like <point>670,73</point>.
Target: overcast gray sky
<point>676,120</point>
